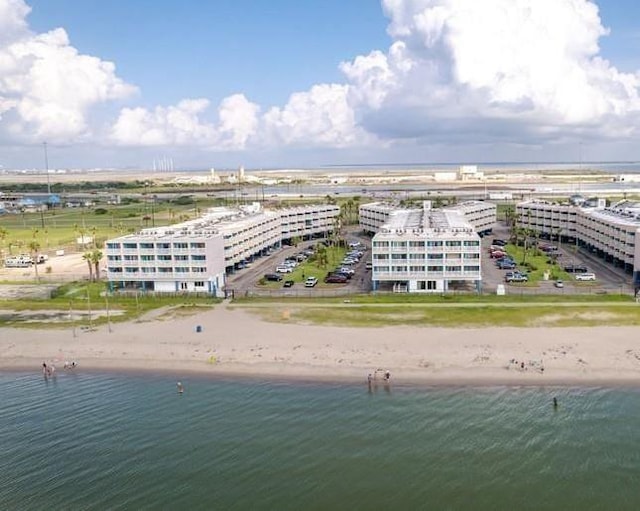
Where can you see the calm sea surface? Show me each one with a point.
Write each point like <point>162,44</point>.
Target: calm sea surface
<point>103,441</point>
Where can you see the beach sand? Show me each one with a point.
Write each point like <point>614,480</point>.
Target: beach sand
<point>235,342</point>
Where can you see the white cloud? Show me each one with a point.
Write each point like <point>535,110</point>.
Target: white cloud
<point>182,125</point>
<point>531,65</point>
<point>319,117</point>
<point>47,87</point>
<point>457,72</point>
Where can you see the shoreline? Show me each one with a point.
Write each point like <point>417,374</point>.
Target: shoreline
<point>236,344</point>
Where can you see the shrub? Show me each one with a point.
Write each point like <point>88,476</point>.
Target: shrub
<point>100,211</point>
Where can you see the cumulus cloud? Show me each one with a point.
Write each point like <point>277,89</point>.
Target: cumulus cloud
<point>529,65</point>
<point>456,71</point>
<point>183,124</point>
<point>47,87</point>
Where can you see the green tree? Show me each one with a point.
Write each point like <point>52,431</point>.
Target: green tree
<point>34,250</point>
<point>87,257</point>
<point>95,257</point>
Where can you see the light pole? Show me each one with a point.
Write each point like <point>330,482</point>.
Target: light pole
<point>106,301</point>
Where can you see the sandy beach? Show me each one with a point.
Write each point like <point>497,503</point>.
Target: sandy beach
<point>235,342</point>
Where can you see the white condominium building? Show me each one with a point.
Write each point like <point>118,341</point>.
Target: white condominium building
<point>305,221</point>
<point>195,256</point>
<point>480,214</point>
<point>425,250</point>
<point>613,233</point>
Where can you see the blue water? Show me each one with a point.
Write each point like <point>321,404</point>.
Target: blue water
<point>108,441</point>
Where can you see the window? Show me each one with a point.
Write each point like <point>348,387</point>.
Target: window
<point>471,243</point>
<point>435,256</point>
<point>164,246</point>
<point>148,258</point>
<point>197,245</point>
<point>432,285</point>
<point>399,256</point>
<point>181,269</point>
<point>179,245</point>
<point>181,257</point>
<point>113,245</point>
<point>434,243</point>
<point>199,269</point>
<point>164,258</point>
<point>398,269</point>
<point>200,283</point>
<point>198,257</point>
<point>454,269</point>
<point>130,257</point>
<point>183,286</point>
<point>453,243</point>
<point>416,256</point>
<point>416,269</point>
<point>146,245</point>
<point>130,245</point>
<point>434,269</point>
<point>113,258</point>
<point>472,256</point>
<point>472,268</point>
<point>398,244</point>
<point>416,244</point>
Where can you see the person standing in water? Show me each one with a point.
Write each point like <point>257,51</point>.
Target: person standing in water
<point>555,402</point>
<point>180,387</point>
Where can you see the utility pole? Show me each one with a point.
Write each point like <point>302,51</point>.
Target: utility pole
<point>46,168</point>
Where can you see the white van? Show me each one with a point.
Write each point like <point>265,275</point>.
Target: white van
<point>585,276</point>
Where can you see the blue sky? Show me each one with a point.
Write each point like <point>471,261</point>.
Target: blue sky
<point>291,83</point>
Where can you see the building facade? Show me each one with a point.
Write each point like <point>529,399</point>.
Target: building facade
<point>196,256</point>
<point>426,251</point>
<point>612,233</point>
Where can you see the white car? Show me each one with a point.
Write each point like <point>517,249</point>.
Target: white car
<point>284,269</point>
<point>585,276</point>
<point>310,282</point>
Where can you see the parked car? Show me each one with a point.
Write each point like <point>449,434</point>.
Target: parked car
<point>578,268</point>
<point>516,277</point>
<point>585,276</point>
<point>273,277</point>
<point>284,269</point>
<point>310,282</point>
<point>498,242</point>
<point>334,278</point>
<point>558,283</point>
<point>288,283</point>
<point>368,266</point>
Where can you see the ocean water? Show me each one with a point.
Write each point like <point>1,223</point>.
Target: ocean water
<point>115,441</point>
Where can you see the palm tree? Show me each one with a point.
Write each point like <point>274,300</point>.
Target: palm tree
<point>87,257</point>
<point>95,257</point>
<point>34,249</point>
<point>321,255</point>
<point>3,236</point>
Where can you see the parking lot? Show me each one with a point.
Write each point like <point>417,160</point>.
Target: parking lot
<point>245,281</point>
<point>608,278</point>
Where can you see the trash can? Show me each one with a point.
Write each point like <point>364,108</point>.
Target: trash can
<point>198,328</point>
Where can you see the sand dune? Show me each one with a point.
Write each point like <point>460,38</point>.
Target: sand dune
<point>233,341</point>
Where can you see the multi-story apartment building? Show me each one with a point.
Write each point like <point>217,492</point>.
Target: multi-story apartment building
<point>195,256</point>
<point>613,233</point>
<point>304,221</point>
<point>480,214</point>
<point>425,250</point>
